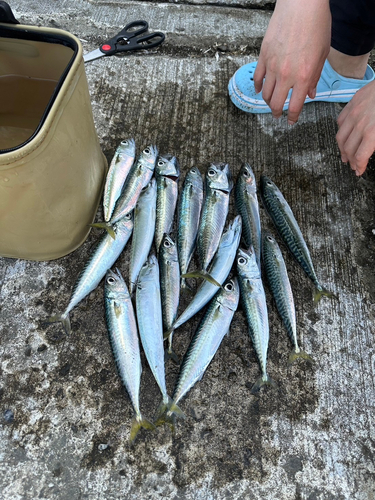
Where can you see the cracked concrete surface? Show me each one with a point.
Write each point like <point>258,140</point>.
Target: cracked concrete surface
<point>64,416</point>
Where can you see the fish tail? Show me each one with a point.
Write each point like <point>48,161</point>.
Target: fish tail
<point>105,225</point>
<point>61,318</point>
<point>167,414</point>
<point>137,424</point>
<point>170,354</point>
<point>297,353</point>
<point>202,274</point>
<point>262,380</point>
<point>323,292</point>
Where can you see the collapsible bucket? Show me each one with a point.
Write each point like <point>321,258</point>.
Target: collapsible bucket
<point>51,167</point>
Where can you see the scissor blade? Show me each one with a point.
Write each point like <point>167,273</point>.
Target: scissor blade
<point>94,54</point>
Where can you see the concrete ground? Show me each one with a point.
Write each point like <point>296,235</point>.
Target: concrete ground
<point>64,416</point>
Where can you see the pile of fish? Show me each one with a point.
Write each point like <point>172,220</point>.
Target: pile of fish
<point>137,203</point>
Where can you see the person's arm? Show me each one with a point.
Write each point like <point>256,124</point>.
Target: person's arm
<point>356,135</point>
<point>292,54</point>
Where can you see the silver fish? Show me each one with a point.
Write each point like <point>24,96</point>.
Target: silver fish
<point>119,169</point>
<point>277,277</point>
<point>253,300</point>
<point>150,324</point>
<point>219,270</point>
<point>288,228</point>
<point>123,336</point>
<point>144,230</point>
<point>245,197</point>
<point>139,176</point>
<point>189,210</point>
<point>167,174</point>
<point>218,186</point>
<point>170,287</point>
<point>104,256</point>
<point>206,341</point>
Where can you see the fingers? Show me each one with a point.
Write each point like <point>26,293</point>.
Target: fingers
<point>259,74</point>
<point>296,103</point>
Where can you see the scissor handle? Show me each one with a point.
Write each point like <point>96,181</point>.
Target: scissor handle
<point>143,41</point>
<point>111,46</point>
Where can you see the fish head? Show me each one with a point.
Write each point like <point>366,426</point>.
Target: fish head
<point>147,158</point>
<point>125,224</point>
<point>269,244</point>
<point>230,294</point>
<point>168,248</point>
<point>247,266</point>
<point>194,177</point>
<point>267,186</point>
<point>232,234</point>
<point>115,286</point>
<point>149,271</point>
<point>126,148</point>
<point>168,166</point>
<point>247,176</point>
<point>218,176</point>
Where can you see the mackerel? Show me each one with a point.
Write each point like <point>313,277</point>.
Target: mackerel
<point>219,270</point>
<point>189,210</point>
<point>288,228</point>
<point>104,256</point>
<point>206,341</point>
<point>150,324</point>
<point>123,336</point>
<point>167,174</point>
<point>277,277</point>
<point>170,288</point>
<point>253,300</point>
<point>218,185</point>
<point>144,230</point>
<point>119,169</point>
<point>246,200</point>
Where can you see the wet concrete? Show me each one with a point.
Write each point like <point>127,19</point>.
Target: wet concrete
<point>64,415</point>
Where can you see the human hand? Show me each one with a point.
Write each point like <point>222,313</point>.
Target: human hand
<point>292,55</point>
<point>356,135</point>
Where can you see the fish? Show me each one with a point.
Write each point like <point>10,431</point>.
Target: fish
<point>246,201</point>
<point>103,257</point>
<point>219,270</point>
<point>139,176</point>
<point>189,210</point>
<point>253,299</point>
<point>206,341</point>
<point>218,185</point>
<point>167,174</point>
<point>119,169</point>
<point>277,277</point>
<point>170,288</point>
<point>150,324</point>
<point>290,232</point>
<point>123,337</point>
<point>143,232</point>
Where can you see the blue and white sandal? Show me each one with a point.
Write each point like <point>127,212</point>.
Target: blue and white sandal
<point>331,87</point>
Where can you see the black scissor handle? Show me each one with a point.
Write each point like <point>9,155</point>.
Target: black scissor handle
<point>144,42</point>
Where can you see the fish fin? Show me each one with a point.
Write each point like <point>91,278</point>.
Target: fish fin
<point>262,380</point>
<point>106,226</point>
<point>61,318</point>
<point>117,307</point>
<point>167,414</point>
<point>299,354</point>
<point>202,274</point>
<point>170,354</point>
<point>318,294</point>
<point>137,424</point>
<point>168,333</point>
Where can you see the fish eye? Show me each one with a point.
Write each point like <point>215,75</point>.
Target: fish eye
<point>144,265</point>
<point>269,238</point>
<point>111,280</point>
<point>241,261</point>
<point>147,151</point>
<point>161,163</point>
<point>211,172</point>
<point>246,173</point>
<point>167,243</point>
<point>124,143</point>
<point>193,170</point>
<point>229,287</point>
<point>269,183</point>
<point>128,216</point>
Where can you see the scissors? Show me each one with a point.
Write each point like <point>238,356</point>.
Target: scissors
<point>128,39</point>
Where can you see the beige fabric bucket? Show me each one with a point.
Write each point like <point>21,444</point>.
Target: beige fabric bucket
<point>51,167</point>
